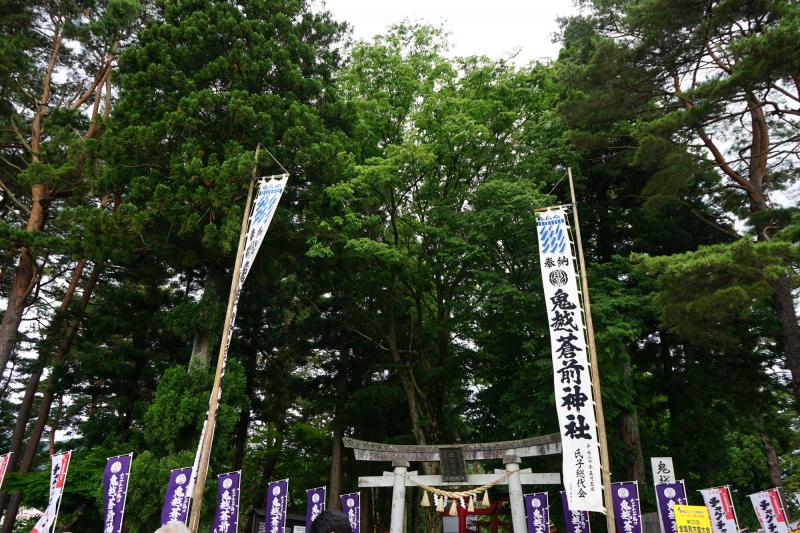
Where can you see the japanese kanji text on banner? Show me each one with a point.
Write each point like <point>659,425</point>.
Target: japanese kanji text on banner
<point>770,512</point>
<point>692,519</point>
<point>573,387</point>
<point>351,506</point>
<point>59,465</point>
<point>226,517</point>
<point>115,490</point>
<point>315,504</point>
<point>720,508</point>
<point>277,493</point>
<point>537,509</point>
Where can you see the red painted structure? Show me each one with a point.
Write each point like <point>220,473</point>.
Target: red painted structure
<point>492,512</point>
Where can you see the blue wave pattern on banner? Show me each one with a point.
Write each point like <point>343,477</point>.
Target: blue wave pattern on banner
<point>551,236</point>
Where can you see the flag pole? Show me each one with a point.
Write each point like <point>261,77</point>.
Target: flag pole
<point>213,402</point>
<point>596,394</point>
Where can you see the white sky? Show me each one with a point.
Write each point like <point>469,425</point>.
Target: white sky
<point>495,28</point>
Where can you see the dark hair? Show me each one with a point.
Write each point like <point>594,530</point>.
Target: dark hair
<point>330,522</point>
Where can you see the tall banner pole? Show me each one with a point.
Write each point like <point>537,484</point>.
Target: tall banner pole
<point>596,394</point>
<point>208,435</point>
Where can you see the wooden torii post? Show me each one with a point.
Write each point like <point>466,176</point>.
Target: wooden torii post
<point>449,456</point>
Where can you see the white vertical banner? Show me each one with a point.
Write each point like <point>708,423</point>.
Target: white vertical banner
<point>4,459</point>
<point>770,511</point>
<point>270,190</point>
<point>571,373</point>
<point>59,464</point>
<point>720,509</point>
<point>663,470</point>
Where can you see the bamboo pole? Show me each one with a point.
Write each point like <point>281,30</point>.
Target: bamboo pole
<point>208,435</point>
<point>596,394</point>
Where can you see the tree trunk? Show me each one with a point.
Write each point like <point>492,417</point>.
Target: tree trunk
<point>24,281</point>
<point>32,386</point>
<point>772,462</point>
<point>25,274</point>
<point>337,450</point>
<point>790,332</point>
<point>665,352</point>
<point>335,482</point>
<point>47,397</point>
<point>205,331</point>
<point>243,424</point>
<point>367,523</point>
<point>271,461</point>
<point>629,431</point>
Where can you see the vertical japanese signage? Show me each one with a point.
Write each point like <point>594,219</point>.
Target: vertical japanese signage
<point>668,495</point>
<point>537,509</point>
<point>770,511</point>
<point>275,510</point>
<point>115,490</point>
<point>692,519</point>
<point>176,497</point>
<point>720,509</point>
<point>627,512</point>
<point>351,507</point>
<point>315,504</point>
<point>571,373</point>
<point>226,517</point>
<point>59,465</point>
<point>3,466</point>
<point>269,193</point>
<point>576,521</point>
<point>663,471</point>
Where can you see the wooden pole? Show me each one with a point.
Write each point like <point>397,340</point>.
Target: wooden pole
<point>596,394</point>
<point>213,402</point>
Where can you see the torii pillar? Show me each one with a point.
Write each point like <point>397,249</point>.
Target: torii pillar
<point>398,517</point>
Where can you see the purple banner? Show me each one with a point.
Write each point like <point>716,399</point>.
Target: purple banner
<point>627,512</point>
<point>275,510</point>
<point>576,521</point>
<point>667,495</point>
<point>538,511</point>
<point>351,506</point>
<point>226,517</point>
<point>176,499</point>
<point>315,504</point>
<point>115,489</point>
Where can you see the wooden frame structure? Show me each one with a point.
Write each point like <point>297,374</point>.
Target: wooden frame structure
<point>510,452</point>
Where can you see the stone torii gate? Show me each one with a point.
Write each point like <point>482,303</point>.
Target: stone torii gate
<point>452,459</point>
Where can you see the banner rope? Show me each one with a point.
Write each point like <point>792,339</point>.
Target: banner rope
<point>460,494</point>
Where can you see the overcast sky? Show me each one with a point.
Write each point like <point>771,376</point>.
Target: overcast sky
<point>494,28</point>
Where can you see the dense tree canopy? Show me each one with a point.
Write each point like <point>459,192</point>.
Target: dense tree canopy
<point>397,297</point>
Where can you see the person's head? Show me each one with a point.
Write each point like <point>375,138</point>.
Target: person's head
<point>330,522</point>
<point>173,527</point>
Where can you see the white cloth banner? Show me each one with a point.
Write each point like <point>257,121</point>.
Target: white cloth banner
<point>59,464</point>
<point>663,471</point>
<point>720,510</point>
<point>269,194</point>
<point>770,512</point>
<point>3,466</point>
<point>573,386</point>
<point>270,190</point>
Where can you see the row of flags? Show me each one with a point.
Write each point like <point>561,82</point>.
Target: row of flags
<point>675,515</point>
<point>177,497</point>
<point>719,511</point>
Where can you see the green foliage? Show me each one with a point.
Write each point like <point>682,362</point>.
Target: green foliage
<point>727,282</point>
<point>398,297</point>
